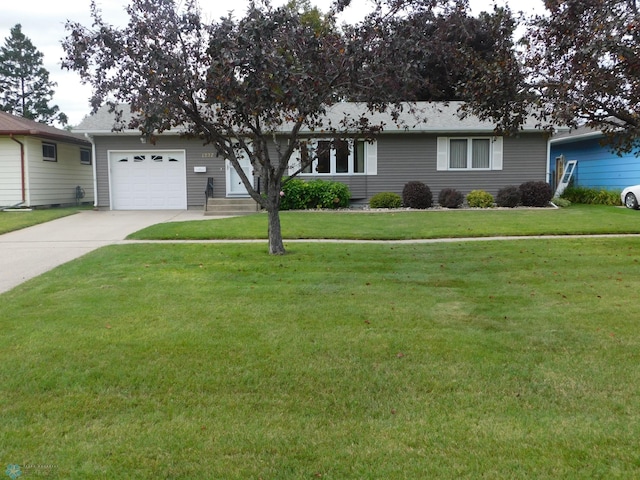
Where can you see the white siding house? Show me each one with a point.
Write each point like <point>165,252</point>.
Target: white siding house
<point>41,165</point>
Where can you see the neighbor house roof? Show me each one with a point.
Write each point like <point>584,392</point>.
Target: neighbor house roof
<point>572,135</point>
<point>14,125</point>
<point>419,117</point>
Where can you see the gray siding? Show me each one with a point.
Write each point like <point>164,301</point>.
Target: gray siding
<point>401,158</point>
<point>406,157</point>
<point>197,155</point>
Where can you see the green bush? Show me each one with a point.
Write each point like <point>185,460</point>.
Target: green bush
<point>509,197</point>
<point>450,198</point>
<point>536,194</point>
<point>560,202</point>
<point>328,194</point>
<point>480,199</point>
<point>592,196</point>
<point>301,195</point>
<point>295,195</point>
<point>385,200</point>
<point>417,195</point>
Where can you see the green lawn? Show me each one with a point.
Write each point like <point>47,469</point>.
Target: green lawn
<point>578,219</point>
<point>16,220</point>
<point>500,360</point>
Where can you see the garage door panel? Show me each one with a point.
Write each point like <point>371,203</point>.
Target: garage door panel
<point>148,180</point>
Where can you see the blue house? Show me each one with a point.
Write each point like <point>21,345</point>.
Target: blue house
<point>597,166</point>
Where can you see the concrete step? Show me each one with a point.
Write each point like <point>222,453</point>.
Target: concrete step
<point>230,206</point>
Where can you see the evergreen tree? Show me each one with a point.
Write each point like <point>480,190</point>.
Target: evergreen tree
<point>25,88</point>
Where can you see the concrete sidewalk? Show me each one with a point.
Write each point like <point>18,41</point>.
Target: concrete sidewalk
<point>29,252</point>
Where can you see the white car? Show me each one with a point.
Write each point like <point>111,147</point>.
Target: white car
<point>630,196</point>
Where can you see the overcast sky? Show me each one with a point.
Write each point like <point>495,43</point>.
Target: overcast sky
<point>43,23</point>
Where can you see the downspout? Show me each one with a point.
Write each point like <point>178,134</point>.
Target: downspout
<point>22,169</point>
<point>95,176</point>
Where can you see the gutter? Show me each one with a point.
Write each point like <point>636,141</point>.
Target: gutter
<point>574,138</point>
<point>22,168</point>
<point>93,163</point>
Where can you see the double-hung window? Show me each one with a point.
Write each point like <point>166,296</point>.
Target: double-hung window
<point>337,157</point>
<point>472,153</point>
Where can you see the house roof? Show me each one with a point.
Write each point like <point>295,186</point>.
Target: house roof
<point>573,135</point>
<point>14,125</point>
<point>429,117</point>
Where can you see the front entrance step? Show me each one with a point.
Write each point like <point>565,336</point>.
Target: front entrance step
<point>230,206</point>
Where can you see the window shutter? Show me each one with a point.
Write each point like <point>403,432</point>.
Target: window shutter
<point>372,157</point>
<point>497,154</point>
<point>443,153</point>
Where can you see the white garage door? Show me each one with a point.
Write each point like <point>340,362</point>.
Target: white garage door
<point>144,180</point>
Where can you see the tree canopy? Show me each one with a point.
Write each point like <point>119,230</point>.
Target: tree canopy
<point>25,88</point>
<point>583,59</point>
<point>251,86</point>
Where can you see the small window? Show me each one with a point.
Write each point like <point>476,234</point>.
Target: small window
<point>49,152</point>
<point>85,156</point>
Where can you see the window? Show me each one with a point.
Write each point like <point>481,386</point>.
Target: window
<point>337,157</point>
<point>469,153</point>
<point>49,152</point>
<point>85,156</point>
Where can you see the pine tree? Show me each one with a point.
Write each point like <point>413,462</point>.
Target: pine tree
<point>25,88</point>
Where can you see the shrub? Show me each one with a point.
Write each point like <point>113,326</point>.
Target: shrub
<point>300,195</point>
<point>327,194</point>
<point>385,200</point>
<point>593,196</point>
<point>294,195</point>
<point>535,194</point>
<point>509,197</point>
<point>417,195</point>
<point>560,202</point>
<point>450,198</point>
<point>480,199</point>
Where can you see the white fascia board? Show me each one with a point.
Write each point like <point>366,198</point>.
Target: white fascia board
<point>582,136</point>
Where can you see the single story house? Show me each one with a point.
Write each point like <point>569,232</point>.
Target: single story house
<point>41,165</point>
<point>440,149</point>
<point>596,166</point>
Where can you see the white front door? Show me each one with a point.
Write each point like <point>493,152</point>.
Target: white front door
<point>235,187</point>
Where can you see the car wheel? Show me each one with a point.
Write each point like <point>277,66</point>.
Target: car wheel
<point>630,201</point>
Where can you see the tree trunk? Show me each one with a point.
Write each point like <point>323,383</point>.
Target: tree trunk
<point>276,247</point>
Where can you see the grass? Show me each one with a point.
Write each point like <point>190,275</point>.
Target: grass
<point>580,219</point>
<point>498,360</point>
<point>10,221</point>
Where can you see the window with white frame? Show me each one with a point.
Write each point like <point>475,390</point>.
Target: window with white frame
<point>469,153</point>
<point>337,157</point>
<point>49,152</point>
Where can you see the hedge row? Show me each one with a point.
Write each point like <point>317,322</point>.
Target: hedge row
<point>418,195</point>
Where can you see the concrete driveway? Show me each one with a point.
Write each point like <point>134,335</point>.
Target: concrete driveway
<point>29,252</point>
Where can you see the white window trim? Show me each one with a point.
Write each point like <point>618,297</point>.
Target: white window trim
<point>370,160</point>
<point>55,152</point>
<point>495,154</point>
